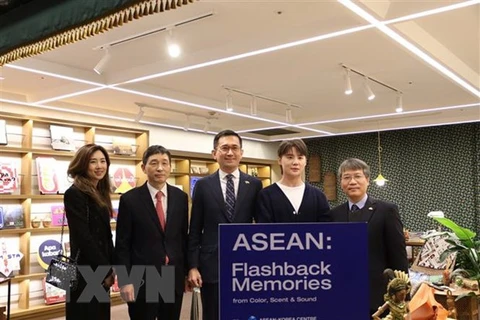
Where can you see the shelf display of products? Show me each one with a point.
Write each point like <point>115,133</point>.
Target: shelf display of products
<point>32,203</point>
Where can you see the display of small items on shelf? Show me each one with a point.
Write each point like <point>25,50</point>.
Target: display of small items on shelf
<point>8,178</point>
<point>36,222</point>
<point>123,147</point>
<point>193,181</point>
<point>12,216</point>
<point>52,294</point>
<point>62,138</point>
<point>47,175</point>
<point>58,216</point>
<point>254,172</point>
<point>9,260</point>
<point>123,180</point>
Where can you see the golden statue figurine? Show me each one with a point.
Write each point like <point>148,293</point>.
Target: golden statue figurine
<point>395,299</point>
<point>452,310</point>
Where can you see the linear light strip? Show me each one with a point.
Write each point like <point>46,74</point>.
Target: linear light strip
<point>157,124</point>
<point>196,105</point>
<point>386,115</point>
<point>389,129</point>
<point>409,46</point>
<point>93,114</point>
<point>392,114</point>
<point>250,54</point>
<point>54,75</point>
<point>433,11</point>
<point>287,45</point>
<point>69,95</point>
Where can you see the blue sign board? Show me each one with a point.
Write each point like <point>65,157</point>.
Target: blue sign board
<point>311,271</point>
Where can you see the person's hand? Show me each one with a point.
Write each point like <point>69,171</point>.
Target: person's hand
<point>188,285</point>
<point>127,293</point>
<point>109,281</point>
<point>194,278</point>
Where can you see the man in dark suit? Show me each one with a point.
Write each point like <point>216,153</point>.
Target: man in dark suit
<point>227,196</point>
<point>386,241</point>
<point>152,230</point>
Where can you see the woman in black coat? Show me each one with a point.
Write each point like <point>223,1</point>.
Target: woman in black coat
<point>88,208</point>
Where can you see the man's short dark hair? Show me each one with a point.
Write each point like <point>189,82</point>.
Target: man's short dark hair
<point>225,133</point>
<point>156,149</point>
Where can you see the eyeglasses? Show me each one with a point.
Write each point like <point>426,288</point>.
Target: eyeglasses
<point>356,177</point>
<point>225,149</point>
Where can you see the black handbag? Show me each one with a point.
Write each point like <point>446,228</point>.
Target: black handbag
<point>62,271</point>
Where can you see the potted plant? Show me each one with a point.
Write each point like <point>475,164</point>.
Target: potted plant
<point>462,241</point>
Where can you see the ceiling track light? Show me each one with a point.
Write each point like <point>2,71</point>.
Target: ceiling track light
<point>103,62</point>
<point>229,101</point>
<point>348,82</point>
<point>399,102</point>
<point>288,115</point>
<point>254,102</point>
<point>187,123</point>
<point>253,106</point>
<point>207,126</point>
<point>368,91</point>
<point>156,31</point>
<point>366,86</point>
<point>139,115</point>
<point>173,48</point>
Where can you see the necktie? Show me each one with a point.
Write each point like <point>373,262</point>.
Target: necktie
<point>161,216</point>
<point>230,197</point>
<point>354,208</point>
<point>159,207</point>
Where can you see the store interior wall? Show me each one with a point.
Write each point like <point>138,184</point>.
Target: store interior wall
<point>429,169</point>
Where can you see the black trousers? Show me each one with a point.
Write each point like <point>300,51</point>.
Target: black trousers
<point>93,309</point>
<point>142,310</point>
<point>210,303</point>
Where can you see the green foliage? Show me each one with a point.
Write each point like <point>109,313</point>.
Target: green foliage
<point>462,241</point>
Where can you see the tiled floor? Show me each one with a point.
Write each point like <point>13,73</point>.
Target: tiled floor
<point>120,312</point>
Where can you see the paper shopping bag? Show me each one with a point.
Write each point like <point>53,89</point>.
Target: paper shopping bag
<point>195,308</point>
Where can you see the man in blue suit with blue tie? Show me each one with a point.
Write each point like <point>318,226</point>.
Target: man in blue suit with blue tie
<point>386,242</point>
<point>226,196</point>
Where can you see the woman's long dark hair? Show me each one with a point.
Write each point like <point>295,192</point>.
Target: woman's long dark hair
<point>78,170</point>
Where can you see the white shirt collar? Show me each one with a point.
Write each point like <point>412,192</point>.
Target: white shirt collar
<point>360,204</point>
<point>223,174</point>
<point>153,190</point>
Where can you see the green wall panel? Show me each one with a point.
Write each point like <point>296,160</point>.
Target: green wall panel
<point>435,168</point>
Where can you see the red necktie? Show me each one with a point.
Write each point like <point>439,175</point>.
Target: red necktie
<point>159,207</point>
<point>161,214</point>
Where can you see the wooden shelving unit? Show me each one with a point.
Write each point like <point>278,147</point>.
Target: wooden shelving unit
<point>28,139</point>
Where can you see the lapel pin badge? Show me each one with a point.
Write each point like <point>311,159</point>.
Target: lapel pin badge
<point>370,208</point>
<point>247,182</point>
